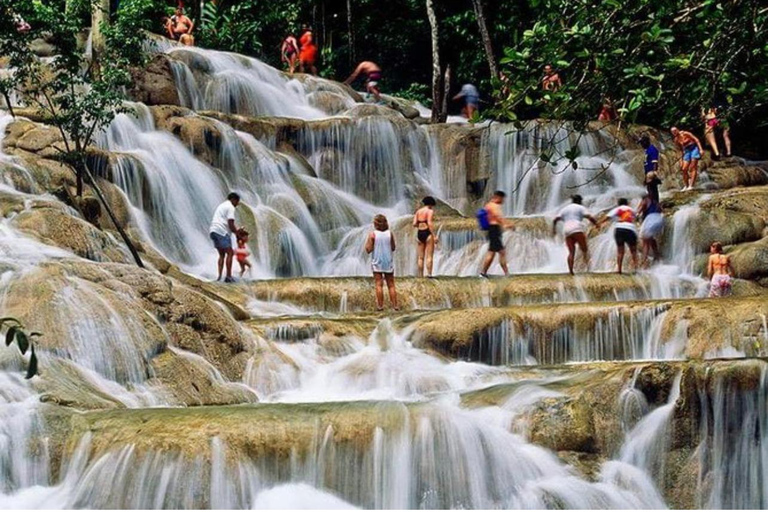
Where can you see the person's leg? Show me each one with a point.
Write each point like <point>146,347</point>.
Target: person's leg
<point>692,172</point>
<point>684,169</point>
<point>242,267</point>
<point>230,256</point>
<point>711,140</point>
<point>391,289</point>
<point>619,255</point>
<point>487,262</point>
<point>581,240</point>
<point>430,254</point>
<point>646,247</point>
<point>633,253</point>
<point>655,249</point>
<point>727,140</point>
<point>420,249</point>
<point>503,261</point>
<point>570,242</point>
<point>378,279</point>
<point>222,255</point>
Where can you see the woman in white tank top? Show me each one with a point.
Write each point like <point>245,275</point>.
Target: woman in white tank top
<point>381,245</point>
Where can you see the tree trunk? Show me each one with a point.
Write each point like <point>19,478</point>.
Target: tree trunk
<point>446,93</point>
<point>82,168</point>
<point>479,14</point>
<point>350,35</point>
<point>99,15</point>
<point>435,61</point>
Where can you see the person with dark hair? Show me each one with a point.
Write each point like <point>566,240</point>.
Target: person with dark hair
<point>179,25</point>
<point>651,228</point>
<point>625,232</point>
<point>221,230</point>
<point>496,225</point>
<point>381,245</point>
<point>289,52</point>
<point>372,73</point>
<point>551,81</point>
<point>573,217</point>
<point>426,235</point>
<point>719,270</point>
<point>308,52</point>
<point>651,167</point>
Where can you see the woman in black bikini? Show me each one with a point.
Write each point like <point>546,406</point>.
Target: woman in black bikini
<point>423,221</point>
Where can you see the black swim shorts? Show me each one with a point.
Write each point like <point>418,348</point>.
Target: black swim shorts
<point>494,238</point>
<point>625,236</point>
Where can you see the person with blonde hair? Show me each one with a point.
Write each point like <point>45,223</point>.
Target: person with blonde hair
<point>380,244</point>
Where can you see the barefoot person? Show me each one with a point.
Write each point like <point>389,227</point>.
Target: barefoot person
<point>653,224</point>
<point>495,226</point>
<point>426,235</point>
<point>471,100</point>
<point>222,228</point>
<point>551,81</point>
<point>573,217</point>
<point>692,152</point>
<point>719,270</point>
<point>381,245</point>
<point>242,252</point>
<point>289,52</point>
<point>651,167</point>
<point>179,25</point>
<point>372,73</point>
<point>625,232</point>
<point>308,52</point>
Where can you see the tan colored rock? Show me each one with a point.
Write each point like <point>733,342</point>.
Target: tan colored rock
<point>154,85</point>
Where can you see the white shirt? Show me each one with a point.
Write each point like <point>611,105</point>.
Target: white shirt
<point>382,259</point>
<point>624,217</point>
<point>573,218</point>
<point>221,217</point>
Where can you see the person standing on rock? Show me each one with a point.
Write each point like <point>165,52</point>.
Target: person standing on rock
<point>308,52</point>
<point>471,100</point>
<point>651,228</point>
<point>289,52</point>
<point>221,231</point>
<point>573,217</point>
<point>372,73</point>
<point>719,271</point>
<point>381,245</point>
<point>692,152</point>
<point>651,167</point>
<point>492,215</point>
<point>625,232</point>
<point>423,221</point>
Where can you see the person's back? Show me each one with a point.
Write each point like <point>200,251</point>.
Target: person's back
<point>719,264</point>
<point>382,258</point>
<point>624,217</point>
<point>573,217</point>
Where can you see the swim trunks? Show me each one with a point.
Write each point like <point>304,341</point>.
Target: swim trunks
<point>495,243</point>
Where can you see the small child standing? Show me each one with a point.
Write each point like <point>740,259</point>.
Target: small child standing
<point>381,243</point>
<point>242,252</point>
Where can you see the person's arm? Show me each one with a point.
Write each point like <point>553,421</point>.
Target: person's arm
<point>415,219</point>
<point>728,267</point>
<point>353,76</point>
<point>431,225</point>
<point>458,97</point>
<point>232,227</point>
<point>591,219</point>
<point>369,243</point>
<point>554,224</point>
<point>392,242</point>
<point>191,26</point>
<point>710,270</point>
<point>698,143</point>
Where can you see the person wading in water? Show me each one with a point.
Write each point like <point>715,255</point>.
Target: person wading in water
<point>423,221</point>
<point>381,245</point>
<point>573,217</point>
<point>495,227</point>
<point>221,231</point>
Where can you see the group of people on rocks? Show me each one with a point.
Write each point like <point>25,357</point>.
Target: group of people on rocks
<point>179,27</point>
<point>301,51</point>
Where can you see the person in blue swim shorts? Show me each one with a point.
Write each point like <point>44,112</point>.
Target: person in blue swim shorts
<point>692,152</point>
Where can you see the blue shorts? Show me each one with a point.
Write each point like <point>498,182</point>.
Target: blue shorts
<point>691,153</point>
<point>221,243</point>
<point>472,101</point>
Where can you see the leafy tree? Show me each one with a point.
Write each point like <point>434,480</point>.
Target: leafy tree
<point>77,95</point>
<point>15,331</point>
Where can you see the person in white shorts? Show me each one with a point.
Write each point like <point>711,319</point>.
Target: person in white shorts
<point>573,217</point>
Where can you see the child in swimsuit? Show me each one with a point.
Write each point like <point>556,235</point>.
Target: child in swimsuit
<point>242,252</point>
<point>719,271</point>
<point>423,221</point>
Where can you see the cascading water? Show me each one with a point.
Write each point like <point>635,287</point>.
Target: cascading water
<point>354,411</point>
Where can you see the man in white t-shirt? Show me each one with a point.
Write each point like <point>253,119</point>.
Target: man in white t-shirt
<point>573,217</point>
<point>222,228</point>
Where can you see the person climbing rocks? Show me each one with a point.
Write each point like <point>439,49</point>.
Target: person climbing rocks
<point>496,223</point>
<point>426,235</point>
<point>573,217</point>
<point>608,112</point>
<point>289,52</point>
<point>242,252</point>
<point>651,167</point>
<point>551,81</point>
<point>650,212</point>
<point>692,152</point>
<point>179,25</point>
<point>471,100</point>
<point>221,230</point>
<point>381,245</point>
<point>372,73</point>
<point>308,51</point>
<point>713,121</point>
<point>719,271</point>
<point>625,232</point>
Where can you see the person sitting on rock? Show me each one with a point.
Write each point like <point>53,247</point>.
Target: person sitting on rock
<point>179,25</point>
<point>372,72</point>
<point>719,270</point>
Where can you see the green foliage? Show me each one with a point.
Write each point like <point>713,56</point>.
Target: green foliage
<point>232,27</point>
<point>416,92</point>
<point>660,62</point>
<point>15,331</point>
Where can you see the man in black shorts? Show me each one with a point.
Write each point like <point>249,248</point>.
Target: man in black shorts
<point>497,223</point>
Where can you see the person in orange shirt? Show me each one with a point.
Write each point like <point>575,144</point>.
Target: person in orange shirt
<point>625,231</point>
<point>308,52</point>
